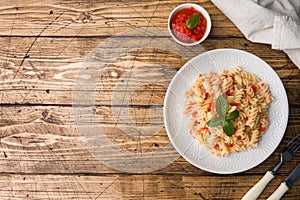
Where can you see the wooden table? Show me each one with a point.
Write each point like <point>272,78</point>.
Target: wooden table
<point>43,155</point>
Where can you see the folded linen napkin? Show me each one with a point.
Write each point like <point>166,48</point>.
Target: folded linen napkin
<point>275,22</point>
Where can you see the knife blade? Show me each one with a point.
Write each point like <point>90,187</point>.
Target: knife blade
<point>294,175</point>
<point>287,184</point>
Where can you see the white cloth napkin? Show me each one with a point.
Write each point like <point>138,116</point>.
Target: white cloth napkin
<point>275,22</point>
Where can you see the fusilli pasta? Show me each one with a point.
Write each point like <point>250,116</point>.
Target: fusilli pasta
<point>242,91</point>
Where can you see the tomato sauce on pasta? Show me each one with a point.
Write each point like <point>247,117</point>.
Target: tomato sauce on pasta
<point>243,91</point>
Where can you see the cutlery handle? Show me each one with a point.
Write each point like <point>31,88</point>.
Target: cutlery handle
<point>257,189</point>
<point>279,192</point>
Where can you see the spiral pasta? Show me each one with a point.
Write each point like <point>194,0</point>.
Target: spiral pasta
<point>242,91</point>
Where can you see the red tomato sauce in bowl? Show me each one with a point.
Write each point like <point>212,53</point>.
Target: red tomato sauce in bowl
<point>181,31</point>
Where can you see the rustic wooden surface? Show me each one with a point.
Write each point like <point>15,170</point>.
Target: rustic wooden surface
<point>43,45</point>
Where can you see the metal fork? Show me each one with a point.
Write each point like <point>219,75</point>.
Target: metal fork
<point>287,154</point>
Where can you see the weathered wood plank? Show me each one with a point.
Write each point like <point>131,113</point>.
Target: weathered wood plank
<point>53,52</point>
<point>44,139</point>
<point>101,18</point>
<point>133,187</point>
<point>48,76</point>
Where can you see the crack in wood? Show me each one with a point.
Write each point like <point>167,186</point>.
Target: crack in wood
<point>33,42</point>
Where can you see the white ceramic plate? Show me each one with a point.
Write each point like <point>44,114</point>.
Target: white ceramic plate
<point>176,122</point>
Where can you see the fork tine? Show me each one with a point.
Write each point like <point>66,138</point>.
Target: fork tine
<point>294,144</point>
<point>296,147</point>
<point>292,141</point>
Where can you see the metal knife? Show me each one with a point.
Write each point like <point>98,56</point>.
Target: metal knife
<point>287,184</point>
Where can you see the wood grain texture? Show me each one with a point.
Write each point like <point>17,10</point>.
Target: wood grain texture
<point>44,70</point>
<point>42,156</point>
<point>97,18</point>
<point>44,139</point>
<point>127,187</point>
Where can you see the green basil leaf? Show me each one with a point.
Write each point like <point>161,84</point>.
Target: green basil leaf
<point>214,122</point>
<point>193,21</point>
<point>221,106</point>
<point>228,127</point>
<point>233,115</point>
